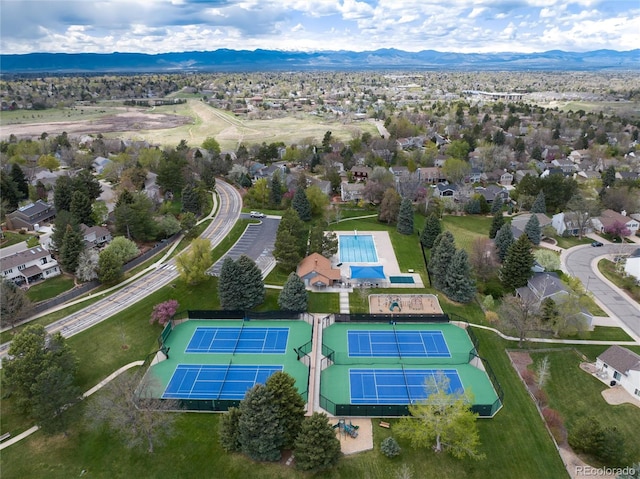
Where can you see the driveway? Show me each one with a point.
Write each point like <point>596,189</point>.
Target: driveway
<point>581,262</point>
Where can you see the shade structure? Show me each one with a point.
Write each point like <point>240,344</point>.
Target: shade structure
<point>367,272</point>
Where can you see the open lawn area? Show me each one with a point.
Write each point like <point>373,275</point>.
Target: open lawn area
<point>608,269</point>
<point>575,393</point>
<point>466,229</point>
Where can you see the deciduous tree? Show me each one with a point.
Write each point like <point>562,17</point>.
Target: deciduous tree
<point>109,267</point>
<point>193,264</point>
<point>390,206</point>
<point>87,265</point>
<point>130,406</point>
<point>520,313</point>
<point>14,303</point>
<point>444,418</point>
<point>123,248</point>
<point>163,312</point>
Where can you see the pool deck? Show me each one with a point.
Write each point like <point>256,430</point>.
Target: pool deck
<point>386,258</point>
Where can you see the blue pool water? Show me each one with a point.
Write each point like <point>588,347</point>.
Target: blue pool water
<point>357,249</point>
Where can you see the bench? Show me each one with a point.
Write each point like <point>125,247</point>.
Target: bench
<point>386,425</point>
<point>6,435</point>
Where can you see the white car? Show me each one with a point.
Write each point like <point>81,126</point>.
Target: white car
<point>257,214</point>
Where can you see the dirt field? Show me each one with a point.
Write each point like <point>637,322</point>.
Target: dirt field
<point>128,121</point>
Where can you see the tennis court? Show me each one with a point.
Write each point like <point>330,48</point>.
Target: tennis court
<point>397,386</point>
<point>415,343</point>
<point>255,340</point>
<point>231,381</point>
<point>212,363</point>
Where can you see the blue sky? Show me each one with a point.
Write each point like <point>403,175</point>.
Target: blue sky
<point>156,26</point>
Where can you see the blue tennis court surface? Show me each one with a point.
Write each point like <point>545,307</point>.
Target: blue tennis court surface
<point>357,249</point>
<point>215,381</point>
<point>409,344</point>
<point>395,386</point>
<point>246,340</point>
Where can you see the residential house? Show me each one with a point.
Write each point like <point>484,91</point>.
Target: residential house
<point>520,174</point>
<point>578,156</point>
<point>632,265</point>
<point>491,192</point>
<point>609,217</point>
<point>95,235</point>
<point>31,216</point>
<point>431,175</point>
<point>627,175</point>
<point>399,171</point>
<point>100,163</point>
<point>568,224</point>
<point>324,185</point>
<point>520,222</point>
<point>445,190</point>
<point>351,191</point>
<point>315,270</point>
<point>475,175</point>
<point>30,265</point>
<point>360,173</point>
<point>565,165</point>
<point>621,365</point>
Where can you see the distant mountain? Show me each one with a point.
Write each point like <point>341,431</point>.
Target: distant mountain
<point>245,60</point>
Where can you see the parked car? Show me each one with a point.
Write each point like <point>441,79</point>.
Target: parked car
<point>257,214</point>
<point>596,244</point>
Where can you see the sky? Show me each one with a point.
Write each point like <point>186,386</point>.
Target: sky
<point>465,26</point>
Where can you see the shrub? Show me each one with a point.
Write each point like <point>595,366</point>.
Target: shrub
<point>491,317</point>
<point>556,424</point>
<point>390,447</point>
<point>541,397</point>
<point>528,377</point>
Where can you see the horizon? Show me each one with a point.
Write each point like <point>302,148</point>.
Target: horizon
<point>157,26</point>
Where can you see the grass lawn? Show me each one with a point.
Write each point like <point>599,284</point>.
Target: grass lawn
<point>570,241</point>
<point>608,269</point>
<point>606,333</point>
<point>575,393</point>
<point>10,238</point>
<point>466,229</point>
<point>50,288</point>
<point>323,302</point>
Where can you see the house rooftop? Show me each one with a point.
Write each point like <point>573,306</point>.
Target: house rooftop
<point>621,359</point>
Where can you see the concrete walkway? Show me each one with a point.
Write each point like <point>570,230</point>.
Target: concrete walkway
<point>97,387</point>
<point>344,302</point>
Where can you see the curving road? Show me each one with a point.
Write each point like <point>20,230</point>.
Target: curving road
<point>230,204</point>
<point>581,262</point>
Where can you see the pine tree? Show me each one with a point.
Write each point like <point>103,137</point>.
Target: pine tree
<point>317,446</point>
<point>405,217</point>
<point>441,256</point>
<point>275,192</point>
<point>532,230</point>
<point>539,205</point>
<point>230,291</point>
<point>293,296</point>
<point>62,193</point>
<point>290,405</point>
<point>497,204</point>
<point>291,240</point>
<point>72,246</point>
<point>22,186</point>
<point>81,209</point>
<point>301,205</point>
<point>459,285</point>
<point>496,224</point>
<point>503,240</point>
<point>250,281</point>
<point>191,200</point>
<point>228,434</point>
<point>431,231</point>
<point>516,269</point>
<point>260,433</point>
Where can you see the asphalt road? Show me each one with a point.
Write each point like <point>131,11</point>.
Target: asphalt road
<point>581,262</point>
<point>230,204</point>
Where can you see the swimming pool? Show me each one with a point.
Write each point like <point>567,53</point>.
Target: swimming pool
<point>357,249</point>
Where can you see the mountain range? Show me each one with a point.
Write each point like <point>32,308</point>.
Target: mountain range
<point>276,60</point>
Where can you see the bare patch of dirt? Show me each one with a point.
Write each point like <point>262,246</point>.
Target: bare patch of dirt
<point>120,122</point>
